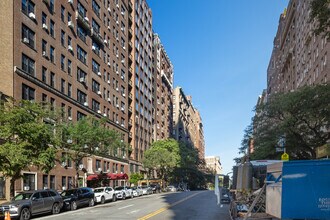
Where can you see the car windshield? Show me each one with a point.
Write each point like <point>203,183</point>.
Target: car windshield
<point>69,192</point>
<point>97,190</point>
<point>144,187</point>
<point>134,188</point>
<point>22,196</point>
<point>119,188</point>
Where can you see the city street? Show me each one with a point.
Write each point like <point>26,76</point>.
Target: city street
<point>182,205</point>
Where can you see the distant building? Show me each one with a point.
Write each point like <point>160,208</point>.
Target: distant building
<point>213,163</point>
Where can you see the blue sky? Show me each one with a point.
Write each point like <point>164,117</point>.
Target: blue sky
<point>220,50</point>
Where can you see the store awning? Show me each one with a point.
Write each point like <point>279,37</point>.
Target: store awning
<point>93,177</point>
<point>119,176</point>
<point>122,176</point>
<point>112,176</point>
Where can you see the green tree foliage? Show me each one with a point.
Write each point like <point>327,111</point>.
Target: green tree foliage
<point>27,137</point>
<point>302,116</point>
<point>87,137</point>
<point>320,11</point>
<point>135,177</point>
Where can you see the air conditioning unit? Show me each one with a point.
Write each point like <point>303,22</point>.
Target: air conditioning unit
<point>32,15</point>
<point>99,92</point>
<point>109,9</point>
<point>105,41</point>
<point>85,103</point>
<point>122,61</point>
<point>109,27</point>
<point>124,94</point>
<point>99,111</point>
<point>81,166</point>
<point>70,24</point>
<point>93,48</point>
<point>63,188</point>
<point>117,89</point>
<point>26,188</point>
<point>70,48</point>
<point>117,122</point>
<point>124,47</point>
<point>63,164</point>
<point>105,114</point>
<point>86,19</point>
<point>99,73</point>
<point>82,79</point>
<point>109,82</point>
<point>117,55</point>
<point>117,5</point>
<point>44,53</point>
<point>117,106</point>
<point>123,13</point>
<point>44,26</point>
<point>70,2</point>
<point>117,22</point>
<point>26,40</point>
<point>117,39</point>
<point>109,64</point>
<point>122,29</point>
<point>122,125</point>
<point>70,118</point>
<point>122,108</point>
<point>109,100</point>
<point>117,72</point>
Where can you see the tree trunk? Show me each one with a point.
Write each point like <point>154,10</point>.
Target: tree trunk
<point>12,187</point>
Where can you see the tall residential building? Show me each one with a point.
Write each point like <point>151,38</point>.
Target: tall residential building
<point>162,92</point>
<point>214,164</point>
<point>140,111</point>
<point>187,123</point>
<point>299,57</point>
<point>73,54</point>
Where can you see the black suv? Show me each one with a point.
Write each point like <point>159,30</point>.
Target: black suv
<point>29,203</point>
<point>74,198</point>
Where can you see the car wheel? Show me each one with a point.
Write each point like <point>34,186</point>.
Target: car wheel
<point>132,196</point>
<point>124,196</point>
<point>91,202</point>
<point>102,200</point>
<point>73,205</point>
<point>25,214</point>
<point>114,198</point>
<point>56,208</point>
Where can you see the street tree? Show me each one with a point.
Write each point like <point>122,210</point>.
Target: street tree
<point>302,116</point>
<point>162,157</point>
<point>134,178</point>
<point>27,137</point>
<point>320,12</point>
<point>89,136</point>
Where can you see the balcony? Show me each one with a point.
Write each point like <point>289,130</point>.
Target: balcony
<point>130,96</point>
<point>130,122</point>
<point>130,83</point>
<point>84,23</point>
<point>97,37</point>
<point>130,109</point>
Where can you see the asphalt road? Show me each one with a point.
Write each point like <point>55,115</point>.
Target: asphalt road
<point>199,205</point>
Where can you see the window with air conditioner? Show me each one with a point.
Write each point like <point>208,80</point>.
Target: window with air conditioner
<point>28,36</point>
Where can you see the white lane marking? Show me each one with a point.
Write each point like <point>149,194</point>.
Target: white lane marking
<point>124,207</point>
<point>134,211</point>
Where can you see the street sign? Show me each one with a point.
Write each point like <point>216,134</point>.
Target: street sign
<point>279,149</point>
<point>285,157</point>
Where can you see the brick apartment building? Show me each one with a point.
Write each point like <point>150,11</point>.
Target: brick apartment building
<point>162,92</point>
<point>74,55</point>
<point>299,57</point>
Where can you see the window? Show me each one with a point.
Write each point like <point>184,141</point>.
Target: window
<point>63,38</point>
<point>62,62</point>
<point>123,74</point>
<point>45,181</point>
<point>52,54</point>
<point>52,104</point>
<point>96,8</point>
<point>69,17</point>
<point>81,75</point>
<point>44,46</point>
<point>95,26</point>
<point>52,79</point>
<point>28,36</point>
<point>81,54</point>
<point>81,97</point>
<point>95,86</point>
<point>69,111</point>
<point>96,48</point>
<point>44,18</point>
<point>52,28</point>
<point>51,6</point>
<point>28,65</point>
<point>64,182</point>
<point>95,105</point>
<point>69,90</point>
<point>29,180</point>
<point>52,181</point>
<point>95,66</point>
<point>70,183</point>
<point>80,115</point>
<point>97,165</point>
<point>81,10</point>
<point>28,93</point>
<point>62,85</point>
<point>62,13</point>
<point>81,33</point>
<point>69,41</point>
<point>27,6</point>
<point>69,66</point>
<point>122,90</point>
<point>44,74</point>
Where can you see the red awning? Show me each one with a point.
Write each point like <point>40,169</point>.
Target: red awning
<point>112,176</point>
<point>93,177</point>
<point>122,176</point>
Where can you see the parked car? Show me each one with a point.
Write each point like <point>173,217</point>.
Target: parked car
<point>74,198</point>
<point>122,192</point>
<point>137,191</point>
<point>146,190</point>
<point>153,188</point>
<point>103,194</point>
<point>27,204</point>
